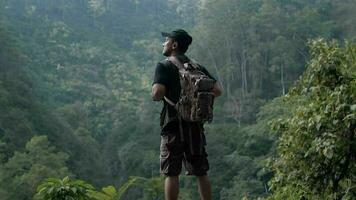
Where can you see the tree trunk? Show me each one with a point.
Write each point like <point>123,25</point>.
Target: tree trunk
<point>282,80</point>
<point>214,65</point>
<point>243,73</point>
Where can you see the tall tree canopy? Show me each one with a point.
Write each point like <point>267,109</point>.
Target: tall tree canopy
<point>75,80</point>
<point>316,149</point>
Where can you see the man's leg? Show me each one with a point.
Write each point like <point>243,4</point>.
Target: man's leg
<point>204,187</point>
<point>171,187</point>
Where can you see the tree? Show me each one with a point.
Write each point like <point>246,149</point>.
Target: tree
<point>316,149</point>
<point>22,172</point>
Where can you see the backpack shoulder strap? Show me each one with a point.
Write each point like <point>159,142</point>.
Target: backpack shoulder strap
<point>184,66</point>
<point>176,62</point>
<point>195,64</point>
<point>170,102</point>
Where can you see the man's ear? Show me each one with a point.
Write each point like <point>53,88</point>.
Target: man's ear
<point>175,45</point>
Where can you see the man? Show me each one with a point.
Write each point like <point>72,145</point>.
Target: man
<point>178,145</point>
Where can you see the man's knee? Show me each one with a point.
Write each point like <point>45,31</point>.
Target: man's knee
<point>203,178</point>
<point>172,177</point>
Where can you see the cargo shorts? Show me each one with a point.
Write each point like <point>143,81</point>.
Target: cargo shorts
<point>185,147</point>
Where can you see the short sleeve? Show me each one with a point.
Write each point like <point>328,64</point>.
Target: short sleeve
<point>161,75</point>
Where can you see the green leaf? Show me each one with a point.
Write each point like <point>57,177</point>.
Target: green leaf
<point>353,107</point>
<point>110,190</point>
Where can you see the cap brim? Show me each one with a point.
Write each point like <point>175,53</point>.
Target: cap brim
<point>164,34</point>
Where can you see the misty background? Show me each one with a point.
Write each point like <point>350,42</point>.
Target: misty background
<point>76,76</point>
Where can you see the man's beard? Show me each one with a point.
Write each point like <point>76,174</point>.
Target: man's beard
<point>166,54</point>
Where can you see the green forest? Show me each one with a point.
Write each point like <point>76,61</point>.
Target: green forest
<point>77,120</point>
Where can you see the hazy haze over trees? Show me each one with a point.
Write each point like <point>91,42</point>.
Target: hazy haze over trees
<point>75,80</point>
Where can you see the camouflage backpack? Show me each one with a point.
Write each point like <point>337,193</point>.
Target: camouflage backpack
<point>196,99</point>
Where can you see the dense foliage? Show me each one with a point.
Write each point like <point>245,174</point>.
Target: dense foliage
<point>54,189</point>
<point>316,147</point>
<point>75,80</point>
<point>67,189</point>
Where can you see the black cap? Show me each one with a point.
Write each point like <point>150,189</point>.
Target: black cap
<point>180,35</point>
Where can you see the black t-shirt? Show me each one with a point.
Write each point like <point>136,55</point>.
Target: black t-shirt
<point>167,74</point>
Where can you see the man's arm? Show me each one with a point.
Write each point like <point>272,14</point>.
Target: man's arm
<point>158,91</point>
<point>217,90</point>
<point>161,80</point>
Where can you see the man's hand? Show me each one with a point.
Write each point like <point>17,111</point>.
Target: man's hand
<point>217,89</point>
<point>158,91</point>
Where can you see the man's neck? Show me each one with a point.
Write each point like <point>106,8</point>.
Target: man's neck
<point>181,57</point>
<point>175,53</point>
